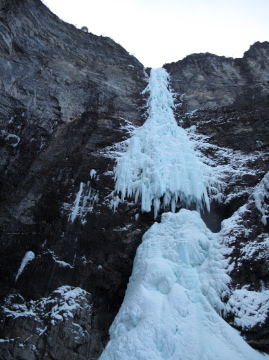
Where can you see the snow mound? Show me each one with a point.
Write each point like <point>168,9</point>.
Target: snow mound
<point>159,165</point>
<point>171,306</point>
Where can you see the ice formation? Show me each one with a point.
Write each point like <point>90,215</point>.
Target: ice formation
<point>159,164</point>
<point>84,201</point>
<point>76,208</point>
<point>29,256</point>
<point>171,306</point>
<point>261,197</point>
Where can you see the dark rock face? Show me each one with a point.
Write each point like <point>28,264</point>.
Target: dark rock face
<point>66,96</point>
<point>210,81</point>
<point>68,100</point>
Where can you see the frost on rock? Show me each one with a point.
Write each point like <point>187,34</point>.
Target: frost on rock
<point>234,227</point>
<point>256,250</point>
<point>63,303</point>
<point>261,197</point>
<point>245,248</point>
<point>61,320</point>
<point>159,165</point>
<point>249,307</point>
<point>59,262</point>
<point>29,256</point>
<point>171,306</point>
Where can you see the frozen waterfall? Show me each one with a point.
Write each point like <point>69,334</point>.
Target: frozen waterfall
<point>159,164</point>
<point>172,305</point>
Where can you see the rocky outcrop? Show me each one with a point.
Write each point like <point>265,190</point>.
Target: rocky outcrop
<point>49,328</point>
<point>211,81</point>
<point>68,100</point>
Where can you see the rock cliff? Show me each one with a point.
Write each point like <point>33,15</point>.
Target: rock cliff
<point>68,100</point>
<point>210,81</point>
<point>66,97</point>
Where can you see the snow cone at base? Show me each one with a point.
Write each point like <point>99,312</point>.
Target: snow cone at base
<point>172,303</point>
<point>160,166</point>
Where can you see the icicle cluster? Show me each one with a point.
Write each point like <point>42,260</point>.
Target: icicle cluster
<point>160,165</point>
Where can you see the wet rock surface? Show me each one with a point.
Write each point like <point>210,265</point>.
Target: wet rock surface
<point>68,100</point>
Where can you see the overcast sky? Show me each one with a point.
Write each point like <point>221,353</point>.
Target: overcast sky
<point>162,31</point>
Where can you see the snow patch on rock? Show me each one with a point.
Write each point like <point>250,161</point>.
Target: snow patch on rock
<point>249,307</point>
<point>63,320</point>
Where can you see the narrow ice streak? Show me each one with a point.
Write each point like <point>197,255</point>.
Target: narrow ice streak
<point>84,201</point>
<point>29,256</point>
<point>261,197</point>
<point>159,164</point>
<point>170,310</point>
<point>75,208</point>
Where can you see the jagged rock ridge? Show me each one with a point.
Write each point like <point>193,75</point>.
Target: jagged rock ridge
<point>67,99</point>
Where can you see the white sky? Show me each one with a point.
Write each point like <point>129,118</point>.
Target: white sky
<point>162,31</point>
